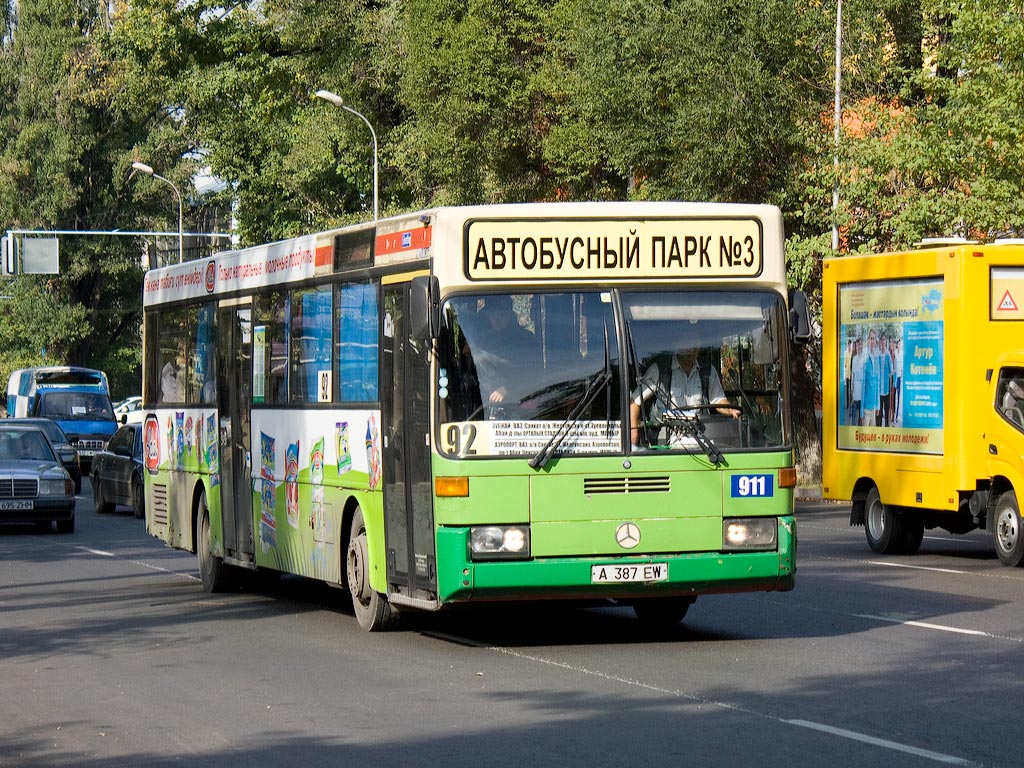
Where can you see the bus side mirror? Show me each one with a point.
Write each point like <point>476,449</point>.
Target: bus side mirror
<point>424,312</point>
<point>799,322</point>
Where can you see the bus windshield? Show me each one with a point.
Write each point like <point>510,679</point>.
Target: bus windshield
<point>707,361</point>
<point>515,369</point>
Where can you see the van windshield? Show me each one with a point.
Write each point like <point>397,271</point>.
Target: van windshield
<point>76,406</point>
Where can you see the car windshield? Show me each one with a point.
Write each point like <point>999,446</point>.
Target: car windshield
<point>52,431</point>
<point>24,444</point>
<point>76,406</point>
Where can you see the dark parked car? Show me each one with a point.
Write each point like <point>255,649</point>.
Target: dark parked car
<point>34,487</point>
<point>117,472</point>
<point>66,452</point>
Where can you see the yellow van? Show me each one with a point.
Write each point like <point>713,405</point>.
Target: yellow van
<point>923,392</point>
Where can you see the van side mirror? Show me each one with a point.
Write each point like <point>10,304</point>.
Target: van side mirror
<point>799,321</point>
<point>424,312</point>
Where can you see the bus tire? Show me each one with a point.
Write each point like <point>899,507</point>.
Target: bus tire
<point>882,526</point>
<point>1007,531</point>
<point>662,612</point>
<point>372,609</point>
<point>212,570</point>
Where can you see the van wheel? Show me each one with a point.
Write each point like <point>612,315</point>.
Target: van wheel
<point>882,526</point>
<point>913,534</point>
<point>1007,530</point>
<point>372,609</point>
<point>212,570</point>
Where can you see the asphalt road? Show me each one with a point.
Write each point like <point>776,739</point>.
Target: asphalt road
<point>111,654</point>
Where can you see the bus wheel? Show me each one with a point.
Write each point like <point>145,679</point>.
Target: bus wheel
<point>883,527</point>
<point>138,499</point>
<point>1007,530</point>
<point>662,612</point>
<point>211,567</point>
<point>372,610</point>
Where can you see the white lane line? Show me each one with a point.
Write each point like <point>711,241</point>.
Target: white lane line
<point>861,737</point>
<point>917,567</point>
<point>884,743</point>
<point>939,627</point>
<point>141,563</point>
<point>99,552</point>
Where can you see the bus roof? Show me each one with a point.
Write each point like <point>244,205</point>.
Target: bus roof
<point>586,241</point>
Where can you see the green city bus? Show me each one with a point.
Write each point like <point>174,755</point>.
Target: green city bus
<point>460,405</point>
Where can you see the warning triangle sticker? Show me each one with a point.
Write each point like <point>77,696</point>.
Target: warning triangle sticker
<point>1008,303</point>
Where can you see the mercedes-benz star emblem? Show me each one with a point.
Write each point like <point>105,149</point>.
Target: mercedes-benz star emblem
<point>628,535</point>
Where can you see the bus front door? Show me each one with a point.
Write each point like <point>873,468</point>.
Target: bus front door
<point>234,396</point>
<point>405,416</point>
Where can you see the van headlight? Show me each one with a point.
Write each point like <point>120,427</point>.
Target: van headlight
<point>499,542</point>
<point>749,533</point>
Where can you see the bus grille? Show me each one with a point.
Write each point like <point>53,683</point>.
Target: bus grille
<point>648,484</point>
<point>159,505</point>
<point>18,488</point>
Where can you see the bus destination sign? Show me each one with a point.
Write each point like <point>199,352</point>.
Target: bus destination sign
<point>613,249</point>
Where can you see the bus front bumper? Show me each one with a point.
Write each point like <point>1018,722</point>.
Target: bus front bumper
<point>690,574</point>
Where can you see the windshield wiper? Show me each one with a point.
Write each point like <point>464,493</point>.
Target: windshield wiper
<point>589,393</point>
<point>592,388</point>
<point>685,419</point>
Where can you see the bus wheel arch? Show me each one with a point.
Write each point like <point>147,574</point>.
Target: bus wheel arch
<point>372,610</point>
<point>212,571</point>
<point>860,493</point>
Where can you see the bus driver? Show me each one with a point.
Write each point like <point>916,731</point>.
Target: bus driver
<point>677,381</point>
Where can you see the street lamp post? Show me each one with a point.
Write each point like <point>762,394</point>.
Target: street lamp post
<point>837,118</point>
<point>339,102</point>
<point>181,228</point>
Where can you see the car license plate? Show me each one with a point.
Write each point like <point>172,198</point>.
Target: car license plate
<point>87,452</point>
<point>16,504</point>
<point>620,574</point>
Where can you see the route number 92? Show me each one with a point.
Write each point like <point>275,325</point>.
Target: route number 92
<point>459,439</point>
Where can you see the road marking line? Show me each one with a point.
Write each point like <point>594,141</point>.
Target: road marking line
<point>884,743</point>
<point>917,567</point>
<point>702,700</point>
<point>927,625</point>
<point>99,552</point>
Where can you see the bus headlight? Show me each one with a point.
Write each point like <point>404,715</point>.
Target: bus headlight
<point>499,542</point>
<point>749,533</point>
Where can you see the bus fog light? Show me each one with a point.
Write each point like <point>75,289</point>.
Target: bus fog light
<point>749,533</point>
<point>499,542</point>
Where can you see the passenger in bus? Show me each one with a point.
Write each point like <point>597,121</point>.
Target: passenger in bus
<point>677,381</point>
<point>172,379</point>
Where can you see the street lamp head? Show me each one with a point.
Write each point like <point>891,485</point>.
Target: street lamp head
<point>143,167</point>
<point>334,98</point>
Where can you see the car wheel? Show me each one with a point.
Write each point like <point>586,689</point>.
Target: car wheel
<point>101,505</point>
<point>138,498</point>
